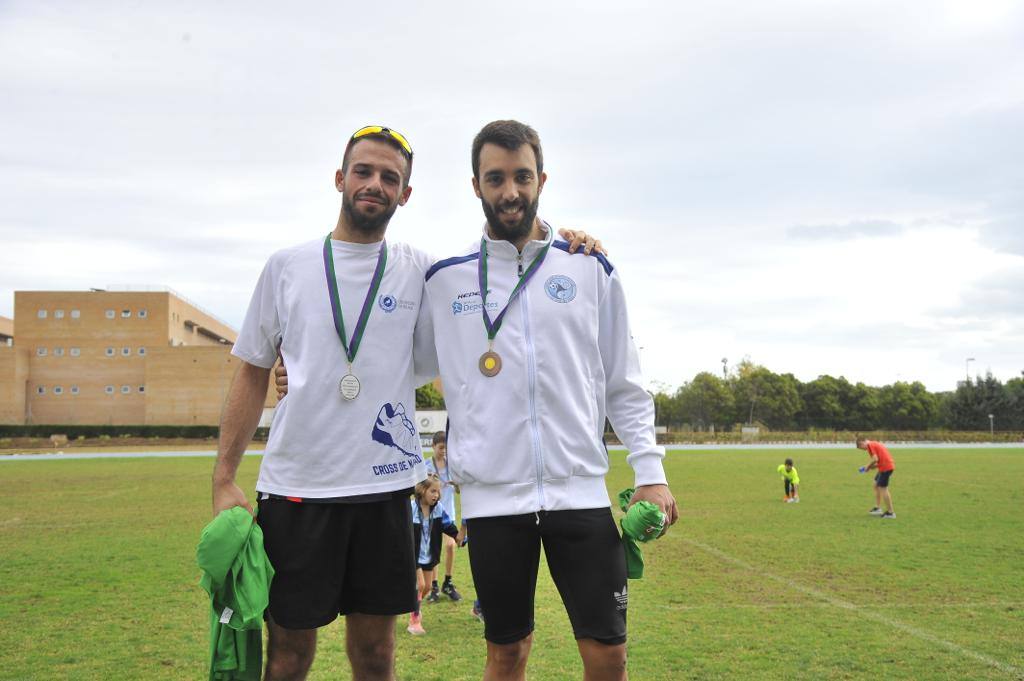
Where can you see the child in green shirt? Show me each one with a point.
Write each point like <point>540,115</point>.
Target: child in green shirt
<point>791,480</point>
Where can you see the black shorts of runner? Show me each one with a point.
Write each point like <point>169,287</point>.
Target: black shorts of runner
<point>882,478</point>
<point>584,554</point>
<point>335,559</point>
<point>426,566</point>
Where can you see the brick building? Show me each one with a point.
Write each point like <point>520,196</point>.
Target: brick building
<point>114,357</point>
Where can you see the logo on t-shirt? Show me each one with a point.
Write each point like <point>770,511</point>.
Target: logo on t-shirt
<point>560,288</point>
<point>390,303</point>
<point>394,429</point>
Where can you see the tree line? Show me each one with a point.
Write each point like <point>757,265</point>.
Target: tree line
<point>753,394</point>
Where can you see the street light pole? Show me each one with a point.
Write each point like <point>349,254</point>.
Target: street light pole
<point>992,426</point>
<point>725,368</point>
<point>967,367</point>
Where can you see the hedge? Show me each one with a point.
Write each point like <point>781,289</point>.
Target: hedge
<point>87,431</point>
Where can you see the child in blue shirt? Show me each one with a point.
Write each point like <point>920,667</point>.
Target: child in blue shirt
<point>438,465</point>
<point>429,521</point>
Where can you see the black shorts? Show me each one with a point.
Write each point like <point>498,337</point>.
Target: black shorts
<point>338,559</point>
<point>882,477</point>
<point>587,563</point>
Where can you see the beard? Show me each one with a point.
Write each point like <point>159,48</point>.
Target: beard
<point>369,225</point>
<point>514,232</point>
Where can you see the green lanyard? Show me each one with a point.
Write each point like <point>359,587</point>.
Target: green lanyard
<point>351,347</point>
<point>492,327</point>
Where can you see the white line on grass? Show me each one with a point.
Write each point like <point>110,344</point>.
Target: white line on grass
<point>981,605</point>
<point>863,612</point>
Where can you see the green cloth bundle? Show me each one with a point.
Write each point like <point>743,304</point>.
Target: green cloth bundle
<point>236,575</point>
<point>643,522</point>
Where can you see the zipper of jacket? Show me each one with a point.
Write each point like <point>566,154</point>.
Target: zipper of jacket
<point>531,369</point>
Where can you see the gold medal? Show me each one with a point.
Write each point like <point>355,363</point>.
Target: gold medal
<point>490,363</point>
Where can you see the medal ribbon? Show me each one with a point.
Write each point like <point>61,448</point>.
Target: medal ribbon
<point>492,327</point>
<point>351,347</point>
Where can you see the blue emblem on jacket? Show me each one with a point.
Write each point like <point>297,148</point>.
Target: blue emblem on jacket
<point>560,288</point>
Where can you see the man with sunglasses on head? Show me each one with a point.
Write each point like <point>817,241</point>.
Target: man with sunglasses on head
<point>344,313</point>
<point>537,353</point>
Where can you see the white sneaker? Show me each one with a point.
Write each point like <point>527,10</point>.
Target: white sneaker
<point>888,515</point>
<point>876,511</point>
<point>796,500</point>
<point>790,500</point>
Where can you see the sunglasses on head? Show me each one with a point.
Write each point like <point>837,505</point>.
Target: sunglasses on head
<point>381,130</point>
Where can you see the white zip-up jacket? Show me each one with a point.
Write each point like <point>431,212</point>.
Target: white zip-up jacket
<point>531,438</point>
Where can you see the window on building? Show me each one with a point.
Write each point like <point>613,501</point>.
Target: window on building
<point>75,314</point>
<point>126,351</point>
<point>109,390</point>
<point>110,314</point>
<point>75,352</point>
<point>58,352</point>
<point>143,313</point>
<point>142,388</point>
<point>58,314</point>
<point>125,389</point>
<point>142,351</point>
<point>40,352</point>
<point>41,314</point>
<point>110,352</point>
<point>126,313</point>
<point>40,390</point>
<point>58,390</point>
<point>74,390</point>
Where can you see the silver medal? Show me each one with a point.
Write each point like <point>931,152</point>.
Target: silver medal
<point>348,387</point>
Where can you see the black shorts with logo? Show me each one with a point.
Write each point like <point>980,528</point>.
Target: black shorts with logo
<point>584,555</point>
<point>335,559</point>
<point>882,477</point>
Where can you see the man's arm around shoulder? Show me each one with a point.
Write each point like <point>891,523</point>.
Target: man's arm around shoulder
<point>238,422</point>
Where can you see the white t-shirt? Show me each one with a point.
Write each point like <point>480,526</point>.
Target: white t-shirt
<point>322,445</point>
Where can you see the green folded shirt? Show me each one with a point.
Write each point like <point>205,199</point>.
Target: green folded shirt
<point>236,575</point>
<point>643,522</point>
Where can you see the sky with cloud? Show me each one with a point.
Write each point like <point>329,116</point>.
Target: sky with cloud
<point>823,187</point>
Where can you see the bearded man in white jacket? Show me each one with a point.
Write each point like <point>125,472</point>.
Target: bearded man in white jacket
<point>535,353</point>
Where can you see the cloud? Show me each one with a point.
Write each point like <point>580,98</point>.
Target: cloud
<point>850,230</point>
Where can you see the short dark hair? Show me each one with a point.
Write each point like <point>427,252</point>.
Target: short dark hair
<point>440,436</point>
<point>508,135</point>
<point>380,137</point>
<point>789,462</point>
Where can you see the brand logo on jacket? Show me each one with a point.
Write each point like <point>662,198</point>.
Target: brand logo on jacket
<point>560,288</point>
<point>460,308</point>
<point>389,303</point>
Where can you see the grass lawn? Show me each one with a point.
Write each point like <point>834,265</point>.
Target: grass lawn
<point>98,576</point>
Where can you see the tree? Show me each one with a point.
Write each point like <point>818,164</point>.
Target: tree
<point>429,397</point>
<point>823,402</point>
<point>908,406</point>
<point>968,408</point>
<point>765,396</point>
<point>705,401</point>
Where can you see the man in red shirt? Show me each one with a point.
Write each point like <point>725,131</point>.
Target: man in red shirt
<point>882,460</point>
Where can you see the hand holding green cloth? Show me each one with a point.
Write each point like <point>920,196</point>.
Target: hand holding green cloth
<point>643,522</point>
<point>236,575</point>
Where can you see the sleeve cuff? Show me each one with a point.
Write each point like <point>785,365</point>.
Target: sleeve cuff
<point>648,468</point>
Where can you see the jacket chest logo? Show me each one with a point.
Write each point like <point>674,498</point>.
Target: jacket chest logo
<point>560,288</point>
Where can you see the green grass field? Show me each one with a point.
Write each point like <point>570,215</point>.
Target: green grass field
<point>98,579</point>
